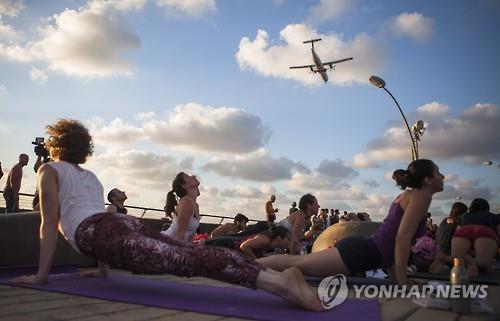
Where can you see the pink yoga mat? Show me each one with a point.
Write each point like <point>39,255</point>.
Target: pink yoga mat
<point>226,301</point>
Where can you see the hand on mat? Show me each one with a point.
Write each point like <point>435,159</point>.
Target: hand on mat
<point>30,279</point>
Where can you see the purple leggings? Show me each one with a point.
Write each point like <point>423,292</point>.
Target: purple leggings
<point>124,242</point>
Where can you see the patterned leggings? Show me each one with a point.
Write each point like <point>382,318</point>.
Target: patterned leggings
<point>124,242</point>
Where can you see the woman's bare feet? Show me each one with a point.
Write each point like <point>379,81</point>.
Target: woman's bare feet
<point>296,289</point>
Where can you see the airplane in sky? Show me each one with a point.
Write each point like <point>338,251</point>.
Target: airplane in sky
<point>318,65</point>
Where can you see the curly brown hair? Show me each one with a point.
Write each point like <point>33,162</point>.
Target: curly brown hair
<point>70,141</point>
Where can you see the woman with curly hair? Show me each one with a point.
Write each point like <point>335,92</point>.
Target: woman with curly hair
<point>72,199</point>
<point>390,246</point>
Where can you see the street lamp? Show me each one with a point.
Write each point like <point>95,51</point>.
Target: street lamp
<point>418,127</point>
<point>490,163</point>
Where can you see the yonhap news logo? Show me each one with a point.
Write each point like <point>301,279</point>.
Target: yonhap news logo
<point>333,291</point>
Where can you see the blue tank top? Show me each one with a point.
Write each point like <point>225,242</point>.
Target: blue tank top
<point>385,237</point>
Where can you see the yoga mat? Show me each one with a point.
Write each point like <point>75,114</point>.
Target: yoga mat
<point>226,301</point>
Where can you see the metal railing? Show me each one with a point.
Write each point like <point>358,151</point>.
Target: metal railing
<point>26,200</point>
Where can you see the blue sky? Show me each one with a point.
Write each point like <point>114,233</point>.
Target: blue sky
<point>204,86</point>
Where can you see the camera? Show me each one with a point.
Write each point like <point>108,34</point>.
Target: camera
<point>40,149</point>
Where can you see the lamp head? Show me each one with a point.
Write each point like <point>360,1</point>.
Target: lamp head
<point>420,125</point>
<point>377,81</point>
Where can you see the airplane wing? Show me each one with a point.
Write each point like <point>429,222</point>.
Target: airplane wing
<point>305,66</point>
<point>336,61</point>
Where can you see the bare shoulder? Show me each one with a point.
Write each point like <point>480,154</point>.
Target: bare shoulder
<point>47,171</point>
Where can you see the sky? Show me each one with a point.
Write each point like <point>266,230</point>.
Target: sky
<point>203,86</point>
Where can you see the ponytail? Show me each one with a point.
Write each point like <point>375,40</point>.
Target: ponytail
<point>414,176</point>
<point>170,204</point>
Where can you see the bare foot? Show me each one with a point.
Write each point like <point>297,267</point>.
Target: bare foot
<point>295,289</point>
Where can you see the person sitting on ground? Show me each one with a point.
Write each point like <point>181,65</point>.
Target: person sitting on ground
<point>390,246</point>
<point>187,212</point>
<point>293,208</point>
<point>479,231</point>
<point>72,200</point>
<point>117,198</point>
<point>239,223</point>
<point>295,223</point>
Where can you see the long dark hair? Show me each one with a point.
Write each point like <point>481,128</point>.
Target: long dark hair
<point>177,191</point>
<point>414,176</point>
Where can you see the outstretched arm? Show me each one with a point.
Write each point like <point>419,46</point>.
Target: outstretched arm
<point>49,210</point>
<point>415,212</point>
<point>185,211</point>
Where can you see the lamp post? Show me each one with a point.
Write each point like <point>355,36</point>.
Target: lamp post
<point>490,163</point>
<point>380,83</point>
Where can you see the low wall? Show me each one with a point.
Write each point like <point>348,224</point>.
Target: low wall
<point>20,242</point>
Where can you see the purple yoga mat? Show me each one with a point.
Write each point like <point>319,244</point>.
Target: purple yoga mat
<point>226,301</point>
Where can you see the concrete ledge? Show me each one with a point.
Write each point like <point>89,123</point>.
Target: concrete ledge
<point>20,243</point>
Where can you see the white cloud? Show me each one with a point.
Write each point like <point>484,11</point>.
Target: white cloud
<point>274,60</point>
<point>139,168</point>
<point>121,5</point>
<point>470,137</point>
<point>38,75</point>
<point>204,128</point>
<point>310,182</point>
<point>11,8</point>
<point>116,132</point>
<point>329,9</point>
<point>191,127</point>
<point>242,191</point>
<point>336,169</point>
<point>433,109</point>
<point>351,193</point>
<point>363,161</point>
<point>191,8</point>
<point>8,33</point>
<point>465,189</point>
<point>89,42</point>
<point>3,89</point>
<point>413,25</point>
<point>257,166</point>
<point>370,182</point>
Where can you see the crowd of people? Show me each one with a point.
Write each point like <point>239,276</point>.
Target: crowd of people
<point>71,200</point>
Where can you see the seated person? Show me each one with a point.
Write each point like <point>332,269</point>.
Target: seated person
<point>116,198</point>
<point>238,225</point>
<point>480,232</point>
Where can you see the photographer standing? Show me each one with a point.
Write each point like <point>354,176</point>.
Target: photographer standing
<point>13,185</point>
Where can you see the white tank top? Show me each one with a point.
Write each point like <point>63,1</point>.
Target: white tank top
<point>80,195</point>
<point>190,230</point>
